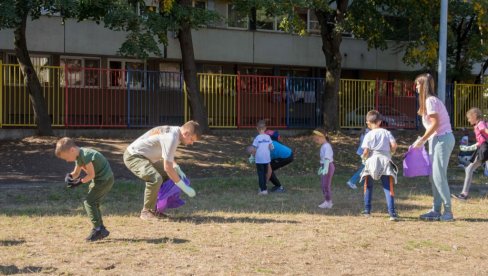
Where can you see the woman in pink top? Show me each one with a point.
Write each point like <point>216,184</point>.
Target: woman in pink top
<point>438,133</point>
<point>475,118</point>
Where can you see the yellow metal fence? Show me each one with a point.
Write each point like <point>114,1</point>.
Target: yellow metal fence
<point>356,98</point>
<point>16,107</point>
<point>467,96</point>
<point>219,96</point>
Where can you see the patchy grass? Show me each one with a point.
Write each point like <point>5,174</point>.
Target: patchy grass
<point>228,230</point>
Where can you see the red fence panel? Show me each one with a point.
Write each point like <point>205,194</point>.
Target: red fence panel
<point>261,98</point>
<point>95,97</point>
<point>397,103</point>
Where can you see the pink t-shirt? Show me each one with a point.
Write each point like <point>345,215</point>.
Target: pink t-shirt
<point>434,105</point>
<point>479,131</point>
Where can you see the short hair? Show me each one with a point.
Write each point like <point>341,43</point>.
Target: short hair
<point>321,132</point>
<point>373,117</point>
<point>64,144</point>
<point>194,128</point>
<point>475,111</point>
<point>261,125</point>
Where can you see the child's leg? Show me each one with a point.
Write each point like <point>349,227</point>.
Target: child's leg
<point>469,175</point>
<point>368,193</point>
<point>96,194</point>
<point>388,181</point>
<point>262,170</point>
<point>326,182</point>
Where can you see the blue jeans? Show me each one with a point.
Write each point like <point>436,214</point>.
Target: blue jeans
<point>355,178</point>
<point>262,170</point>
<point>387,182</point>
<point>440,149</point>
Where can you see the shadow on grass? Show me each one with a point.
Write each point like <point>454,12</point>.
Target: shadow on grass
<point>196,219</point>
<point>12,269</point>
<point>152,241</point>
<point>11,242</point>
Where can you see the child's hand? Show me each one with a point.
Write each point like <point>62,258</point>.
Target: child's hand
<point>72,183</point>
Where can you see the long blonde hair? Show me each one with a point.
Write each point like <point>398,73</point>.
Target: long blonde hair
<point>427,89</point>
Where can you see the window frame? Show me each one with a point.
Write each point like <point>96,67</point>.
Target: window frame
<point>83,66</point>
<point>123,67</point>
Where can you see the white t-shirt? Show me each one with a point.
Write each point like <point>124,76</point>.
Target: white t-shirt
<point>326,153</point>
<point>261,143</point>
<point>378,139</point>
<point>158,143</point>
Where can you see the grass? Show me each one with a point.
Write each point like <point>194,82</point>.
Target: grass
<point>228,230</point>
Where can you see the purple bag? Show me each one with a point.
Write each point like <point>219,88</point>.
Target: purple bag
<point>416,163</point>
<point>169,196</point>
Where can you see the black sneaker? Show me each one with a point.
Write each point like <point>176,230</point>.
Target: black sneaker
<point>96,235</point>
<point>278,189</point>
<point>462,197</point>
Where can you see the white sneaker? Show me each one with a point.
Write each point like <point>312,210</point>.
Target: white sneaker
<point>263,193</point>
<point>352,185</point>
<point>326,205</point>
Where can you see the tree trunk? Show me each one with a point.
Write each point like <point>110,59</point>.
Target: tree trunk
<point>331,42</point>
<point>41,116</point>
<point>199,112</point>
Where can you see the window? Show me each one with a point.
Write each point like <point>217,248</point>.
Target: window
<point>236,18</point>
<point>169,76</point>
<point>82,72</point>
<point>267,22</point>
<point>124,73</point>
<point>313,26</point>
<point>14,76</point>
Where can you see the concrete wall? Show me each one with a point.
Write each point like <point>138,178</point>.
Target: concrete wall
<point>210,44</point>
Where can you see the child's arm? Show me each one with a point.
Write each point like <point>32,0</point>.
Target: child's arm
<point>365,154</point>
<point>393,146</point>
<point>76,172</point>
<point>90,173</point>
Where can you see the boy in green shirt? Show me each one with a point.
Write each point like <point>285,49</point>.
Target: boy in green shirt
<point>99,177</point>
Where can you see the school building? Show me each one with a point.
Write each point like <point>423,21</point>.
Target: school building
<point>244,75</point>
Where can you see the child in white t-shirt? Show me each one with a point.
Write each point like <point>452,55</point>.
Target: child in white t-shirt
<point>327,168</point>
<point>378,145</point>
<point>262,156</point>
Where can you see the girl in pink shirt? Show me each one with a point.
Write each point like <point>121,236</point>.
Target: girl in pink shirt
<point>475,118</point>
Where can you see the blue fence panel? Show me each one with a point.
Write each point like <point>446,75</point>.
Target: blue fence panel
<point>154,98</point>
<point>303,102</point>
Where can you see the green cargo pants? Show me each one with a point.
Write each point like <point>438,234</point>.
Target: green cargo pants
<point>152,173</point>
<point>97,190</point>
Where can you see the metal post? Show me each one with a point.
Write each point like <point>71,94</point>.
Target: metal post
<point>441,70</point>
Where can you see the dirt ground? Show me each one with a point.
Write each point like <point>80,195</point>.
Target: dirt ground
<point>32,159</point>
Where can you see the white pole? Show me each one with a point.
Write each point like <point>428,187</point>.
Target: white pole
<point>441,70</point>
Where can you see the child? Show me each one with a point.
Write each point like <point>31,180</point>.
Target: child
<point>351,183</point>
<point>378,145</point>
<point>475,118</point>
<point>262,156</point>
<point>151,158</point>
<point>99,177</point>
<point>327,168</point>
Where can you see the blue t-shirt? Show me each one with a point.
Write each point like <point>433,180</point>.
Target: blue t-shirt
<point>280,151</point>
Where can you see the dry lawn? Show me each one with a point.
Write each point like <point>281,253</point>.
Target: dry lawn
<point>228,230</point>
